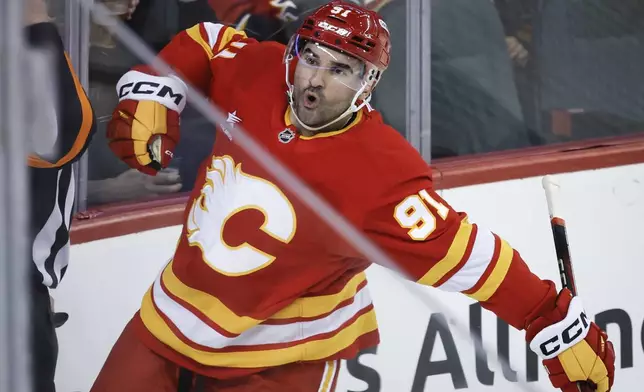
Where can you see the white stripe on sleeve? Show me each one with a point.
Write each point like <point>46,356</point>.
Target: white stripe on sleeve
<point>476,264</point>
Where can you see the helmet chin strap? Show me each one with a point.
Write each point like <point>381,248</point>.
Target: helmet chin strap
<point>351,109</point>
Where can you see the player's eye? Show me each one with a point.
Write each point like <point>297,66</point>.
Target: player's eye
<point>309,60</point>
<point>338,71</point>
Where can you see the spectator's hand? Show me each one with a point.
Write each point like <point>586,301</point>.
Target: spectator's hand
<point>133,184</point>
<point>517,52</point>
<point>35,12</point>
<point>131,8</point>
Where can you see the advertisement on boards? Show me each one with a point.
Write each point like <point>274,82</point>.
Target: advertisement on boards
<point>426,342</point>
<point>422,350</point>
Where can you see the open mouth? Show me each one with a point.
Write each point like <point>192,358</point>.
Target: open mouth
<point>310,100</point>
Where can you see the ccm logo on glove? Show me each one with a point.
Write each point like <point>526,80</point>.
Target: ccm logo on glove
<point>557,338</point>
<point>156,146</point>
<point>169,91</point>
<point>145,87</point>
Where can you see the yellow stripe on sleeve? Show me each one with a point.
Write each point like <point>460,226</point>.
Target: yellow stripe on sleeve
<point>195,33</point>
<point>227,36</point>
<point>495,279</point>
<point>452,258</point>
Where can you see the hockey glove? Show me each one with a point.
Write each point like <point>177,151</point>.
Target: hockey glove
<point>144,128</point>
<point>572,348</point>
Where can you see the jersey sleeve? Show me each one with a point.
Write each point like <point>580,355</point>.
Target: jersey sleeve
<point>195,54</point>
<point>438,246</point>
<point>62,125</point>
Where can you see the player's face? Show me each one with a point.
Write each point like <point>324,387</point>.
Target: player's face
<point>325,83</point>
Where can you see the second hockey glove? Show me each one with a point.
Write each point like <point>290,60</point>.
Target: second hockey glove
<point>572,347</point>
<point>144,129</point>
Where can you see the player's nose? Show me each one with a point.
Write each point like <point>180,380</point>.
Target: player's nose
<point>317,78</point>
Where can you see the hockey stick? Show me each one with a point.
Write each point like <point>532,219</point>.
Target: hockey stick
<point>558,224</point>
<point>551,186</point>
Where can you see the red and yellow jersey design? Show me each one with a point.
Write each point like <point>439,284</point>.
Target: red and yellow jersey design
<point>258,279</point>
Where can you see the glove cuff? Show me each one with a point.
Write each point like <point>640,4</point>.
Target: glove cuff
<point>553,339</point>
<point>169,91</point>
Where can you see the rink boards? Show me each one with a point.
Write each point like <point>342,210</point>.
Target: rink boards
<point>423,348</point>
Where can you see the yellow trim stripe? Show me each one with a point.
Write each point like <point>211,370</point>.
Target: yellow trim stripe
<point>452,258</point>
<point>149,120</point>
<point>315,306</point>
<point>195,33</point>
<point>224,317</point>
<point>87,122</point>
<point>495,279</point>
<point>210,305</point>
<point>309,351</point>
<point>328,377</point>
<point>580,363</point>
<point>227,36</point>
<point>356,121</point>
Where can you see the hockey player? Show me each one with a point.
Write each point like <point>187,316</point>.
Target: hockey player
<point>261,296</point>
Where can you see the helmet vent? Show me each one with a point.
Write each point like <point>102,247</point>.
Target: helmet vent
<point>365,48</point>
<point>336,18</point>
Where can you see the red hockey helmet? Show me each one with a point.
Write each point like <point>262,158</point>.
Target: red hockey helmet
<point>350,29</point>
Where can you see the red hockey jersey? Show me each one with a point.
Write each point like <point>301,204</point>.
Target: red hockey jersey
<point>257,279</point>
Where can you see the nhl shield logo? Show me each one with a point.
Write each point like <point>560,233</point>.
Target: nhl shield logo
<point>286,135</point>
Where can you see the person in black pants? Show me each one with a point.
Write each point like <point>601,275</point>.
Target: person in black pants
<point>59,127</point>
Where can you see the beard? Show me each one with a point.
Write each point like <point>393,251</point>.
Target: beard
<point>313,109</point>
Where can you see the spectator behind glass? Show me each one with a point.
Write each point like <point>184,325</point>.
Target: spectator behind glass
<point>260,19</point>
<point>475,105</point>
<point>155,21</point>
<point>518,17</point>
<point>590,68</point>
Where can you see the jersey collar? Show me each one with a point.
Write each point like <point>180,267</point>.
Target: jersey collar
<point>354,122</point>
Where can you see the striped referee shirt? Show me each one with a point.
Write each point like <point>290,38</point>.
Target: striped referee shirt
<point>60,129</point>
